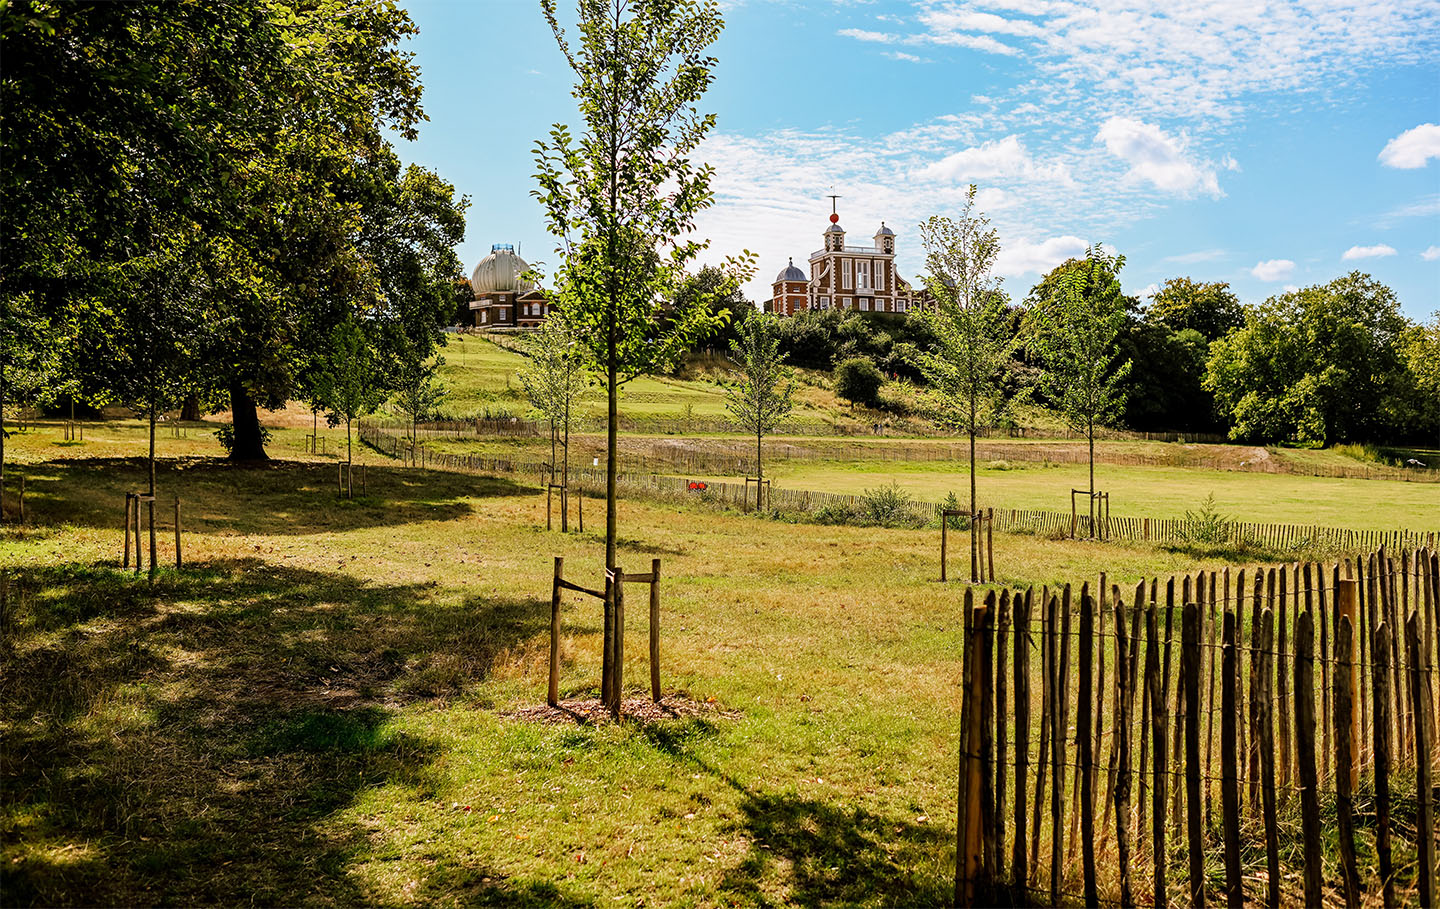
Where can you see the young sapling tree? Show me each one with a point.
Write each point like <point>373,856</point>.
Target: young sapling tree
<point>763,395</point>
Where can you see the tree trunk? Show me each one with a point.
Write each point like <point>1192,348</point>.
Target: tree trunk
<point>246,423</point>
<point>151,504</point>
<point>1090,432</point>
<point>974,530</point>
<point>2,446</point>
<point>189,411</point>
<point>565,475</point>
<point>349,463</point>
<point>759,472</point>
<point>611,447</point>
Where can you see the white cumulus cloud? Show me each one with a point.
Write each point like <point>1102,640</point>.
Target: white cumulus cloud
<point>1431,254</point>
<point>1021,256</point>
<point>1157,158</point>
<point>1412,148</point>
<point>1273,269</point>
<point>1005,157</point>
<point>1368,252</point>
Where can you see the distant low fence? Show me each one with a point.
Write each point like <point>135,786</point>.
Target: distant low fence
<point>1221,736</point>
<point>1291,537</point>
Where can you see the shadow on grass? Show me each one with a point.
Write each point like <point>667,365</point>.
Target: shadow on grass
<point>269,497</point>
<point>189,743</point>
<point>821,852</point>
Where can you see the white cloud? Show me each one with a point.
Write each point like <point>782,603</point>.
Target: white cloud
<point>1191,258</point>
<point>1431,254</point>
<point>1005,157</point>
<point>1157,158</point>
<point>860,34</point>
<point>950,21</point>
<point>904,57</point>
<point>1368,252</point>
<point>1021,256</point>
<point>1273,269</point>
<point>1148,289</point>
<point>1423,207</point>
<point>1412,148</point>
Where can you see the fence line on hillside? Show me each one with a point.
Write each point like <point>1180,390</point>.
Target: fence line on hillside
<point>1281,536</point>
<point>702,459</point>
<point>1322,677</point>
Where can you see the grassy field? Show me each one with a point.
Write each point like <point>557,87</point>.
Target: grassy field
<point>325,707</point>
<point>1140,491</point>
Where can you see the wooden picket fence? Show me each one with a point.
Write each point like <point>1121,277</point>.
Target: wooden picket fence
<point>1183,738</point>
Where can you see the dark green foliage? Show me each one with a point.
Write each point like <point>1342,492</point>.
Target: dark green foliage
<point>819,339</point>
<point>1165,388</point>
<point>1211,309</point>
<point>858,381</point>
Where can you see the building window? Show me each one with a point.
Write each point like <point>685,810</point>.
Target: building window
<point>901,305</point>
<point>849,303</point>
<point>825,302</point>
<point>864,304</point>
<point>862,274</point>
<point>846,282</point>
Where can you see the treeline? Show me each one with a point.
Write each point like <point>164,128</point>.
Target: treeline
<point>201,206</point>
<point>1326,364</point>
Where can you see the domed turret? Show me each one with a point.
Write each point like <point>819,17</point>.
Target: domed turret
<point>500,272</point>
<point>790,273</point>
<point>885,239</point>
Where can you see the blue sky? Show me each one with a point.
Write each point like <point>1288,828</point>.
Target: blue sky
<point>1268,145</point>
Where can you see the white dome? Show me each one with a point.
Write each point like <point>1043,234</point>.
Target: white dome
<point>500,272</point>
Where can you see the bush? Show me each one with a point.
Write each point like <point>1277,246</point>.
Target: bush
<point>888,506</point>
<point>1206,527</point>
<point>837,513</point>
<point>858,381</point>
<point>225,435</point>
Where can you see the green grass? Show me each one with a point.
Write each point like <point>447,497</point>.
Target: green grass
<point>1140,491</point>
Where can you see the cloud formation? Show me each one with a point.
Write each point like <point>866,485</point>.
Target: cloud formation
<point>1157,158</point>
<point>1005,157</point>
<point>1021,256</point>
<point>1413,148</point>
<point>1368,252</point>
<point>1431,253</point>
<point>1273,269</point>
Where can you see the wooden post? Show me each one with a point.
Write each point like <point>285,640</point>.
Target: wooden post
<point>22,501</point>
<point>607,657</point>
<point>990,543</point>
<point>944,525</point>
<point>1282,686</point>
<point>975,577</point>
<point>129,501</point>
<point>1126,701</point>
<point>1001,626</point>
<point>549,494</point>
<point>138,547</point>
<point>1190,680</point>
<point>1265,689</point>
<point>970,840</point>
<point>1229,783</point>
<point>989,826</point>
<point>1305,738</point>
<point>618,673</point>
<point>1057,753</point>
<point>1086,768</point>
<point>1424,810</point>
<point>655,630</point>
<point>1380,688</point>
<point>1159,765</point>
<point>553,696</point>
<point>1347,607</point>
<point>1021,663</point>
<point>177,534</point>
<point>580,508</point>
<point>1344,799</point>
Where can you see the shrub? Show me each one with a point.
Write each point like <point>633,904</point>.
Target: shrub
<point>1206,527</point>
<point>888,506</point>
<point>225,435</point>
<point>858,381</point>
<point>837,513</point>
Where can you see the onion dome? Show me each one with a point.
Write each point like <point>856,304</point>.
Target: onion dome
<point>500,272</point>
<point>790,273</point>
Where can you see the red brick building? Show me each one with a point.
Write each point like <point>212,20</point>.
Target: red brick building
<point>853,278</point>
<point>504,298</point>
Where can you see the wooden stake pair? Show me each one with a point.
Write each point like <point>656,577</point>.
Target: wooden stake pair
<point>612,666</point>
<point>982,556</point>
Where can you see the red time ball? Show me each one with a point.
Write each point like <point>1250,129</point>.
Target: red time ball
<point>834,219</point>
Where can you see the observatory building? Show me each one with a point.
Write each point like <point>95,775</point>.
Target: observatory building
<point>854,278</point>
<point>503,297</point>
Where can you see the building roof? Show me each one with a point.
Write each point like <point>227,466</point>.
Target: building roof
<point>500,272</point>
<point>834,229</point>
<point>884,231</point>
<point>790,273</point>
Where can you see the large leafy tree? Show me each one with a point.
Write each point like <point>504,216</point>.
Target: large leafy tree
<point>622,196</point>
<point>263,123</point>
<point>1422,355</point>
<point>970,318</point>
<point>30,349</point>
<point>763,395</point>
<point>1210,308</point>
<point>1075,317</point>
<point>1324,363</point>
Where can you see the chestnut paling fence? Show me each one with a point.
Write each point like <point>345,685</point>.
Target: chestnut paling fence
<point>1263,735</point>
<point>1006,520</point>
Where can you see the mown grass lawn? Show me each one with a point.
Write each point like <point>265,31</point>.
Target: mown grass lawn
<point>322,707</point>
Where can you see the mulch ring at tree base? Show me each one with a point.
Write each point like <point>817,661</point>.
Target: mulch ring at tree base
<point>590,711</point>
